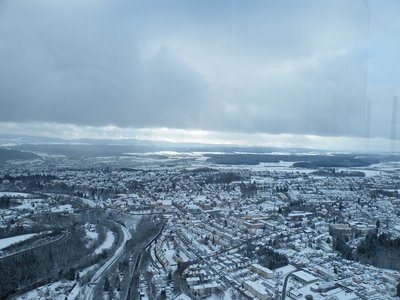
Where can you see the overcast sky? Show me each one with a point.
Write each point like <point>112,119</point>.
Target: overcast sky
<point>222,69</point>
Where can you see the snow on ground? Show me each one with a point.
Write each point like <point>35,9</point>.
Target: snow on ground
<point>87,270</point>
<point>62,208</point>
<point>88,202</point>
<point>183,256</point>
<point>131,221</point>
<point>227,295</point>
<point>14,195</point>
<point>183,297</point>
<point>285,270</point>
<point>107,244</point>
<point>91,234</point>
<point>15,239</point>
<point>75,292</point>
<point>282,166</point>
<point>55,291</point>
<point>88,293</point>
<point>29,204</point>
<point>169,254</point>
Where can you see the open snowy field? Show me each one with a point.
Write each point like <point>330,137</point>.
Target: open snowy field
<point>4,243</point>
<point>107,244</point>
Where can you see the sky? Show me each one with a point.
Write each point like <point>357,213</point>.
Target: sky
<point>291,73</point>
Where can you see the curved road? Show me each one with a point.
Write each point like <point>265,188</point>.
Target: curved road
<point>285,284</point>
<point>63,238</point>
<point>98,276</point>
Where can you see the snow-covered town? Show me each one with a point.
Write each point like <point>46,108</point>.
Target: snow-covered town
<point>176,225</point>
<point>199,150</point>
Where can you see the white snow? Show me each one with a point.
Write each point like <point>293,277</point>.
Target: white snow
<point>31,204</point>
<point>98,275</point>
<point>87,270</point>
<point>169,255</point>
<point>183,297</point>
<point>285,270</point>
<point>88,202</point>
<point>107,244</point>
<point>75,292</point>
<point>56,290</point>
<point>14,239</point>
<point>227,295</point>
<point>92,235</point>
<point>62,208</point>
<point>183,256</point>
<point>14,195</point>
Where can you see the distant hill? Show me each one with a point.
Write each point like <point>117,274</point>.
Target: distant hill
<point>37,143</point>
<point>299,160</point>
<point>7,154</point>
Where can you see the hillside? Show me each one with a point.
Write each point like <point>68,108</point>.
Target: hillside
<point>6,154</point>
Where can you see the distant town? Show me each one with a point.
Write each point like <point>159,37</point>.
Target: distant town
<point>198,225</point>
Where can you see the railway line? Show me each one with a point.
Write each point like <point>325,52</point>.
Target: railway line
<point>66,235</point>
<point>98,276</point>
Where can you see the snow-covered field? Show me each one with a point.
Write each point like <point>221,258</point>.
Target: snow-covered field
<point>62,208</point>
<point>4,243</point>
<point>91,234</point>
<point>169,253</point>
<point>227,295</point>
<point>14,195</point>
<point>56,291</point>
<point>107,244</point>
<point>378,169</point>
<point>282,166</point>
<point>30,203</point>
<point>88,202</point>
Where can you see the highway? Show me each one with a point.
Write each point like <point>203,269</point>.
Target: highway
<point>98,276</point>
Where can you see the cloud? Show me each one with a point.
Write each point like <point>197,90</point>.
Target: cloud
<point>229,66</point>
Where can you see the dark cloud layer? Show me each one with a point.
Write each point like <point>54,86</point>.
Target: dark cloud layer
<point>244,66</point>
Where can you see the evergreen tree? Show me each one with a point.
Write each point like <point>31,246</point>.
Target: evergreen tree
<point>107,285</point>
<point>398,289</point>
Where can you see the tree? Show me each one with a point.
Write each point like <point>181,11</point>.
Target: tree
<point>378,224</point>
<point>398,289</point>
<point>169,276</point>
<point>219,293</point>
<point>163,295</point>
<point>118,284</point>
<point>71,274</point>
<point>107,285</point>
<point>309,297</point>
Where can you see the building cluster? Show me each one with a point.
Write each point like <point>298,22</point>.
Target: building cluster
<point>217,227</point>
